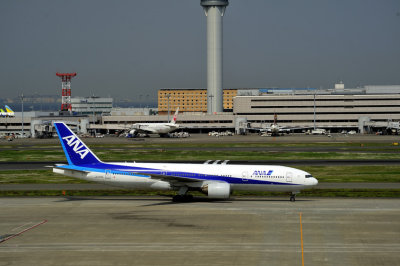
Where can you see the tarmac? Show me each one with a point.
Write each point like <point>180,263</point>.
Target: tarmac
<point>204,138</point>
<point>155,231</point>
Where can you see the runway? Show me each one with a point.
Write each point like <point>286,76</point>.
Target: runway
<point>154,231</point>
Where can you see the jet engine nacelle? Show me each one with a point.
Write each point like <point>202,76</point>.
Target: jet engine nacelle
<point>133,132</point>
<point>217,190</point>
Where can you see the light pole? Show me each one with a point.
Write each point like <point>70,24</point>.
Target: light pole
<point>168,95</point>
<point>93,109</point>
<point>314,111</point>
<point>22,103</point>
<point>211,106</point>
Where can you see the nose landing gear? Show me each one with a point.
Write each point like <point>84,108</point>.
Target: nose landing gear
<point>293,196</point>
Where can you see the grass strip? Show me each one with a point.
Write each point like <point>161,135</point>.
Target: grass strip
<point>352,173</point>
<point>36,177</point>
<point>115,154</point>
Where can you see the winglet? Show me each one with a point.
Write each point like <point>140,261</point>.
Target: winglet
<point>173,121</point>
<point>75,150</point>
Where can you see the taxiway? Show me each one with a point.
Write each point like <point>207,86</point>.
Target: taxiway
<point>154,231</point>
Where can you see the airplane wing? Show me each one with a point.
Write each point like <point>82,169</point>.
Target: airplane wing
<point>280,129</point>
<point>147,131</point>
<point>171,179</point>
<point>172,125</point>
<point>259,129</point>
<point>167,178</point>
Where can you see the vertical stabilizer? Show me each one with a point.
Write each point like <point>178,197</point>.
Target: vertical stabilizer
<point>75,150</point>
<point>173,121</point>
<point>9,111</point>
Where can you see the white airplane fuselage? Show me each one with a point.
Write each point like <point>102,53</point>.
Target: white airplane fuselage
<point>155,128</point>
<point>241,177</point>
<point>215,180</point>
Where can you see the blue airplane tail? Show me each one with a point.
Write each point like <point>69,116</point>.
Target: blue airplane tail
<point>75,150</point>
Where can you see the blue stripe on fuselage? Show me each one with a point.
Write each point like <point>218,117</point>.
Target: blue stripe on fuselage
<point>123,169</point>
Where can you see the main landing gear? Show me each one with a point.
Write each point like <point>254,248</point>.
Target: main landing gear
<point>182,196</point>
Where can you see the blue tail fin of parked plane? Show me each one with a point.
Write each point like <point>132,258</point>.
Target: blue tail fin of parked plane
<point>75,150</point>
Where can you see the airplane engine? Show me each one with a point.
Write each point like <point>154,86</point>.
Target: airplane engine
<point>217,190</point>
<point>133,132</point>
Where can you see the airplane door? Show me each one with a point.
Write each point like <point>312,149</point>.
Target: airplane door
<point>164,170</point>
<point>107,174</point>
<point>245,176</point>
<point>289,177</point>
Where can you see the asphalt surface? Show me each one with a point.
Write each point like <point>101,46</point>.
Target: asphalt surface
<point>204,138</point>
<point>154,231</point>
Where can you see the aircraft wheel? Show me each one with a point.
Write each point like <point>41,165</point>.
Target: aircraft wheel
<point>182,198</point>
<point>177,198</point>
<point>292,198</point>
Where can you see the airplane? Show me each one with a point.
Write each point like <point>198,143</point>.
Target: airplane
<point>217,181</point>
<point>275,130</point>
<point>155,128</point>
<point>8,112</point>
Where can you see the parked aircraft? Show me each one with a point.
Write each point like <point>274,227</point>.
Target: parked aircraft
<point>215,180</point>
<point>8,112</point>
<point>275,130</point>
<point>155,128</point>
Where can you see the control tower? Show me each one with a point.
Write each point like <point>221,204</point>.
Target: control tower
<point>214,10</point>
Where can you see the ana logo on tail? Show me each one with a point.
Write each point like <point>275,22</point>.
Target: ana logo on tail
<point>74,142</point>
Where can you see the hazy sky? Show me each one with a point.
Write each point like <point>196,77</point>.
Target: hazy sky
<point>128,48</point>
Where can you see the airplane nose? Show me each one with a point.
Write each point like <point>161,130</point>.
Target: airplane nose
<point>315,182</point>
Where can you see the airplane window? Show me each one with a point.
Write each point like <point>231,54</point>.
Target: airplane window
<point>308,176</point>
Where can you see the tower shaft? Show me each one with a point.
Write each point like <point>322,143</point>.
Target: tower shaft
<point>214,11</point>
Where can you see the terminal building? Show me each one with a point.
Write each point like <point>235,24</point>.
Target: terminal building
<point>330,109</point>
<point>91,105</point>
<point>366,110</point>
<point>362,109</point>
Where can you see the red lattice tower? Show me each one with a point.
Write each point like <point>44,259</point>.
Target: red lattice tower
<point>66,90</point>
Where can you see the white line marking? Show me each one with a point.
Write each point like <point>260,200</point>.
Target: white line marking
<point>16,228</point>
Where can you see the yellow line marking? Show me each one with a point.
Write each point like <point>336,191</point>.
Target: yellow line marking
<point>301,236</point>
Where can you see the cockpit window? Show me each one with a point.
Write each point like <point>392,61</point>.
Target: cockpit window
<point>309,176</point>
